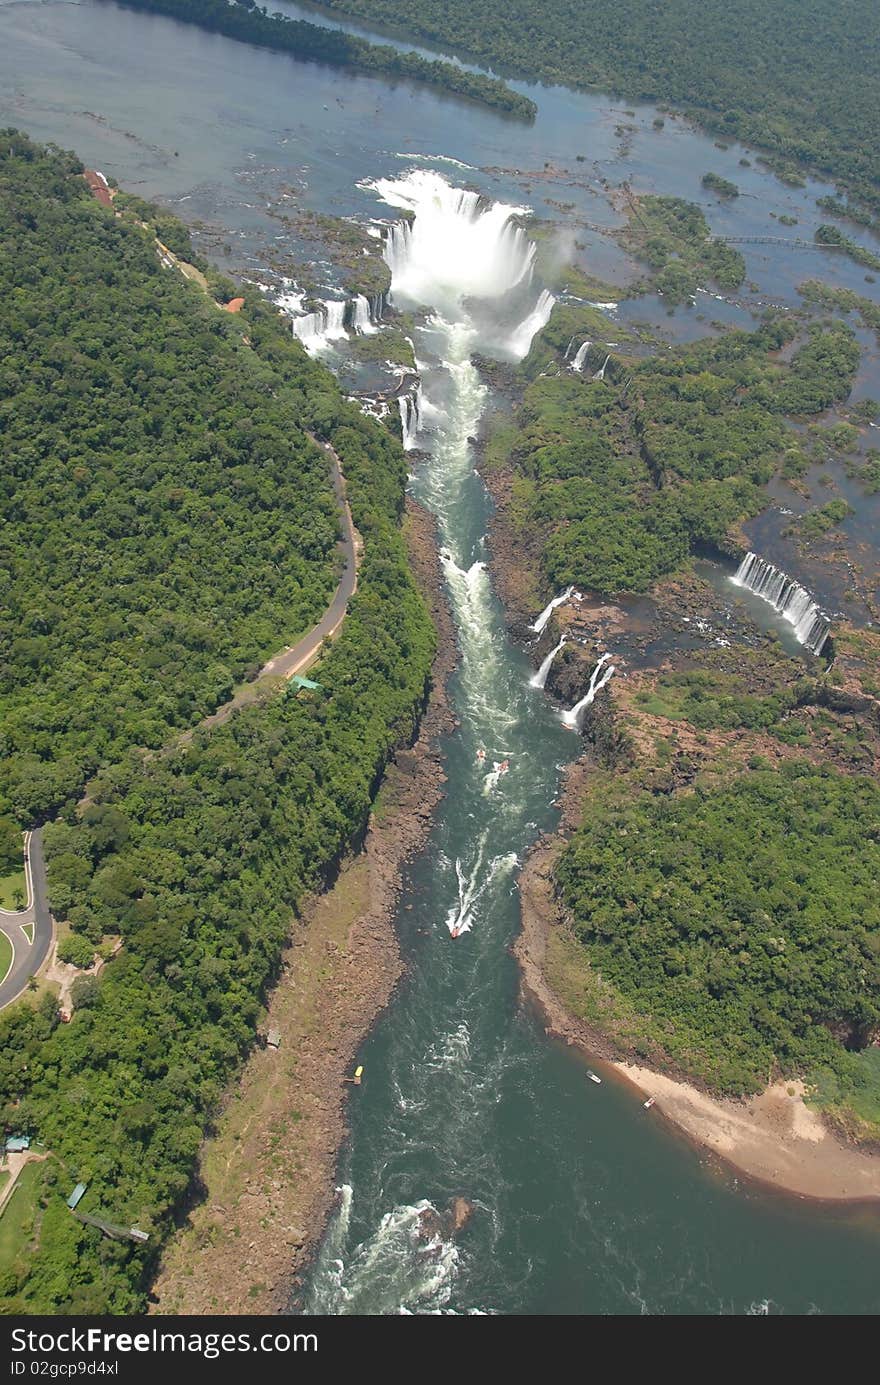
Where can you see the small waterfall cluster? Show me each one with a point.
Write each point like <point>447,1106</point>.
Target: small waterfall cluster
<point>332,319</point>
<point>793,602</point>
<point>411,413</point>
<point>532,323</point>
<point>318,329</point>
<point>573,716</point>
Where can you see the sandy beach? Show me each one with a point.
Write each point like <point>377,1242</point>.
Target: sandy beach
<point>774,1138</point>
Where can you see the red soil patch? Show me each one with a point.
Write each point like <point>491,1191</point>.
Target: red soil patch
<point>234,305</point>
<point>98,187</point>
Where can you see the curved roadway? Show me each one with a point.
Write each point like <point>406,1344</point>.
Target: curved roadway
<point>300,656</point>
<point>28,957</point>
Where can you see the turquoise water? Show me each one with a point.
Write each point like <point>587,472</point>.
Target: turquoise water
<point>584,1203</point>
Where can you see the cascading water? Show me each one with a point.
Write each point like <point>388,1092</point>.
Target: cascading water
<point>410,405</point>
<point>361,316</point>
<point>600,374</point>
<point>580,356</point>
<point>459,248</point>
<point>548,610</point>
<point>540,678</point>
<point>521,337</point>
<point>572,717</point>
<point>319,329</point>
<point>573,1192</point>
<point>793,602</point>
<point>388,1249</point>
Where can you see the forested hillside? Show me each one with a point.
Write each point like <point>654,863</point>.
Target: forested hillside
<point>199,857</point>
<point>166,521</point>
<point>799,77</point>
<point>737,923</point>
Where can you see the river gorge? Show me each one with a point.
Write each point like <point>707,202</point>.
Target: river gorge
<point>484,1173</point>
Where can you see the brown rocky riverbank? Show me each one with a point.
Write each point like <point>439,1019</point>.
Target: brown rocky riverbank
<point>267,1172</point>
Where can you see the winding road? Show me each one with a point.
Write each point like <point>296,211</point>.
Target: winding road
<point>29,954</point>
<point>296,658</point>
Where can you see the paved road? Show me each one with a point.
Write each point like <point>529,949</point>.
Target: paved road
<point>28,956</point>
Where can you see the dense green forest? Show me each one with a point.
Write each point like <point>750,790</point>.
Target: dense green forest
<point>831,235</point>
<point>199,857</point>
<point>620,479</point>
<point>739,921</point>
<point>167,522</point>
<point>242,19</point>
<point>672,236</point>
<point>827,297</point>
<point>798,77</point>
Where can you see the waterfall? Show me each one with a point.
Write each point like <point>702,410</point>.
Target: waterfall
<point>361,315</point>
<point>454,266</point>
<point>793,602</point>
<point>581,355</point>
<point>318,329</point>
<point>335,318</point>
<point>410,405</point>
<point>465,256</point>
<point>540,678</point>
<point>600,374</point>
<point>521,337</point>
<point>572,716</point>
<point>548,610</point>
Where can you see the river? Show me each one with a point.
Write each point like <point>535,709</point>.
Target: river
<point>582,1202</point>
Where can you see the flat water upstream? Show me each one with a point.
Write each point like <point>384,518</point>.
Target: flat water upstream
<point>583,1203</point>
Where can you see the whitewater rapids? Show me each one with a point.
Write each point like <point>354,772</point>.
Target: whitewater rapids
<point>466,268</point>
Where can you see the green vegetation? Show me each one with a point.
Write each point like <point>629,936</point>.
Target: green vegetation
<point>722,186</point>
<point>819,522</point>
<point>168,522</point>
<point>741,922</point>
<point>830,235</point>
<point>867,470</point>
<point>11,845</point>
<point>312,43</point>
<point>836,207</point>
<point>799,77</point>
<point>77,950</point>
<point>13,890</point>
<point>712,700</point>
<point>201,854</point>
<point>620,480</point>
<point>827,297</point>
<point>20,1220</point>
<point>6,955</point>
<point>673,236</point>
